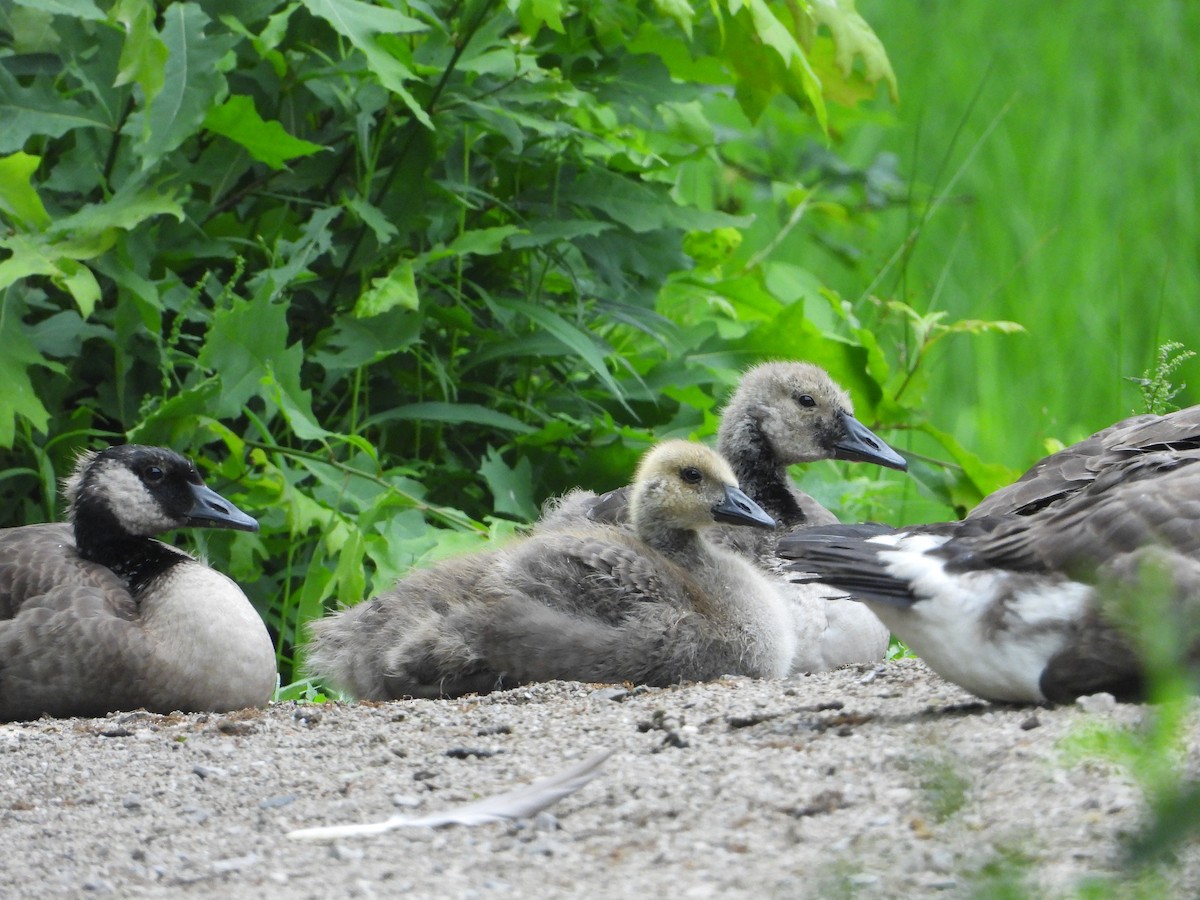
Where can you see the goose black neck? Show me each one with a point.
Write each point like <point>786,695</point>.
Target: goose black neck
<point>135,559</point>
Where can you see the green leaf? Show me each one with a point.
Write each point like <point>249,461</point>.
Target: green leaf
<point>172,420</point>
<point>480,242</point>
<point>247,347</point>
<point>18,399</point>
<point>143,55</point>
<point>768,58</point>
<point>124,211</point>
<point>512,488</point>
<point>359,22</point>
<point>192,79</point>
<point>374,218</point>
<point>980,478</point>
<point>32,255</point>
<point>533,14</point>
<point>853,37</point>
<point>396,290</point>
<point>453,414</point>
<point>641,207</point>
<point>579,342</point>
<point>81,284</point>
<point>40,110</point>
<point>266,141</point>
<point>76,9</point>
<point>18,198</point>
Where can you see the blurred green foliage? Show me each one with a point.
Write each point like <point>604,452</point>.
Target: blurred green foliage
<point>1060,139</point>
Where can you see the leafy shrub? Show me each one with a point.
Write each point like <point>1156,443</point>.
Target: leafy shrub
<point>415,267</point>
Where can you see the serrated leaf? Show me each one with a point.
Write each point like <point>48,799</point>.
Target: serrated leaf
<point>360,22</point>
<point>39,110</point>
<point>76,9</point>
<point>533,14</point>
<point>396,290</point>
<point>579,342</point>
<point>247,347</point>
<point>32,255</point>
<point>78,280</point>
<point>295,403</point>
<point>480,242</point>
<point>143,54</point>
<point>374,218</point>
<point>18,399</point>
<point>642,207</point>
<point>511,487</point>
<point>452,413</point>
<point>769,59</point>
<point>192,79</point>
<point>853,38</point>
<point>267,141</point>
<point>124,211</point>
<point>167,421</point>
<point>19,200</point>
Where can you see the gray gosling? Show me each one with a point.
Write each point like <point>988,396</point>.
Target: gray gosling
<point>782,413</point>
<point>96,616</point>
<point>655,605</point>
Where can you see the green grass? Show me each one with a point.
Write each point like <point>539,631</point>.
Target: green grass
<point>1076,127</point>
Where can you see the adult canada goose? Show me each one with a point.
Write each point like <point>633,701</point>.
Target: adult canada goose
<point>96,616</point>
<point>1074,468</point>
<point>656,605</point>
<point>781,413</point>
<point>1024,608</point>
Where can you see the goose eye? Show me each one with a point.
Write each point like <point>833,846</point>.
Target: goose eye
<point>152,474</point>
<point>690,474</point>
<point>806,400</point>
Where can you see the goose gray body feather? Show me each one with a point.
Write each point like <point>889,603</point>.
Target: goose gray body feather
<point>1026,608</point>
<point>97,616</point>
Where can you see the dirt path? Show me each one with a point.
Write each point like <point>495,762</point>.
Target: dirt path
<point>884,782</point>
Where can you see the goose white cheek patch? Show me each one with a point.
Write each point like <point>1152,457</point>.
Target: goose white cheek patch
<point>135,507</point>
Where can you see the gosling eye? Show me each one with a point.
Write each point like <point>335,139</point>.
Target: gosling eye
<point>690,474</point>
<point>806,400</point>
<point>152,474</point>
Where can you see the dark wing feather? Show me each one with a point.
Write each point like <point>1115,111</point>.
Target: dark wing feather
<point>1072,469</point>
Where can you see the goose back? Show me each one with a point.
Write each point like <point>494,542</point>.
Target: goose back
<point>1073,468</point>
<point>1021,607</point>
<point>97,616</point>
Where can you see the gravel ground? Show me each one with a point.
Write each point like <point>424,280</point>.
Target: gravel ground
<point>861,782</point>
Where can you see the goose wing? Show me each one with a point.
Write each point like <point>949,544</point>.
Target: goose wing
<point>1072,469</point>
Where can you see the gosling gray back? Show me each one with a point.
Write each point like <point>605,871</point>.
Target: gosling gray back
<point>593,603</point>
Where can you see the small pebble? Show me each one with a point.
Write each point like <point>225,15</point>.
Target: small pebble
<point>1097,703</point>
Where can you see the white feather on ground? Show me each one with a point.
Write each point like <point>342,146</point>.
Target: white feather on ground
<point>522,803</point>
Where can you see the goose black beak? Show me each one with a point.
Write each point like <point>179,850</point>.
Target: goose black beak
<point>861,444</point>
<point>211,510</point>
<point>738,509</point>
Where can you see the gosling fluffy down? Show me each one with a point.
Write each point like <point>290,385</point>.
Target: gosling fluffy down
<point>656,605</point>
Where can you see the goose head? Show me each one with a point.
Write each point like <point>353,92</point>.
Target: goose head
<point>134,491</point>
<point>793,412</point>
<point>686,487</point>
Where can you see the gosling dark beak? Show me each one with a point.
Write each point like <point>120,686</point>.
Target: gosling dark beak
<point>738,509</point>
<point>860,444</point>
<point>211,510</point>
